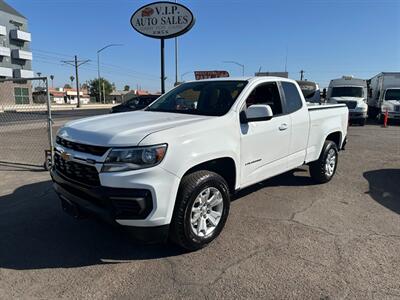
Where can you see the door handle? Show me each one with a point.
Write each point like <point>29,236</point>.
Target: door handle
<point>283,126</point>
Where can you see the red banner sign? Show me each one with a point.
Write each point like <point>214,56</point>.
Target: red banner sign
<point>210,74</point>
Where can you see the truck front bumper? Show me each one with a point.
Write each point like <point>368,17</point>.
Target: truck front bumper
<point>142,201</point>
<point>392,115</point>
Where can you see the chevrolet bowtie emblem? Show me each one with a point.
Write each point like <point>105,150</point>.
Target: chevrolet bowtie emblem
<point>65,156</point>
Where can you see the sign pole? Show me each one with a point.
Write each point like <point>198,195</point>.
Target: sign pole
<point>150,20</point>
<point>162,68</point>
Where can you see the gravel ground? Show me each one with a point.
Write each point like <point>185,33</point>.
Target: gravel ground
<point>285,238</point>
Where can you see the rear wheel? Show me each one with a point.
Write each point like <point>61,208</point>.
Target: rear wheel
<point>324,168</point>
<point>363,122</point>
<point>201,210</point>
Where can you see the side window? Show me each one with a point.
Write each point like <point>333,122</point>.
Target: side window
<point>266,93</point>
<point>292,97</point>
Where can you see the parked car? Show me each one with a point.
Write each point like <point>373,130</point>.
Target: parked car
<point>352,92</point>
<point>170,170</point>
<point>384,95</point>
<point>135,103</point>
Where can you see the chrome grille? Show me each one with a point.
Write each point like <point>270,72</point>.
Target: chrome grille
<point>349,104</point>
<point>94,150</point>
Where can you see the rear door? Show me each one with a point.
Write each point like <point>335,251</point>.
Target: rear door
<point>300,120</point>
<point>265,144</point>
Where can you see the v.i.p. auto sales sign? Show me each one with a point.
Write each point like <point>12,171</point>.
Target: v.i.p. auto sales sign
<point>162,20</point>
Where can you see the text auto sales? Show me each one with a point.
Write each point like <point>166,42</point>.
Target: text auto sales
<point>165,16</point>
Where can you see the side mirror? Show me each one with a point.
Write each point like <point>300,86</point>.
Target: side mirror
<point>256,113</point>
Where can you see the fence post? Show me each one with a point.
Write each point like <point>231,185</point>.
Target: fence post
<point>49,122</point>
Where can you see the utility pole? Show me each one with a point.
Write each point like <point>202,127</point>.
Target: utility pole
<point>302,74</point>
<point>76,63</point>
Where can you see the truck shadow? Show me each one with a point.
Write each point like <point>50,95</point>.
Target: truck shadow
<point>384,187</point>
<point>296,177</point>
<point>35,233</point>
<point>18,167</point>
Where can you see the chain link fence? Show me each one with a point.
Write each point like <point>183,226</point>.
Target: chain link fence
<point>25,122</point>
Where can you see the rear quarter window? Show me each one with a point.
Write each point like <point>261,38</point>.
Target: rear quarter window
<point>292,97</point>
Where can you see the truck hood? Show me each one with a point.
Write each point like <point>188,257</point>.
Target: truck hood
<point>390,104</point>
<point>344,99</point>
<point>123,129</point>
<point>393,102</point>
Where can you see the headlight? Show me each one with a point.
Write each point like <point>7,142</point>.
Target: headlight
<point>125,159</point>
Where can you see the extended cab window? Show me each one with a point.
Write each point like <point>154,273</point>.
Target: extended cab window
<point>292,97</point>
<point>266,93</point>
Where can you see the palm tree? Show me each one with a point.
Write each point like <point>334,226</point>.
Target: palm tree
<point>72,79</point>
<point>52,78</point>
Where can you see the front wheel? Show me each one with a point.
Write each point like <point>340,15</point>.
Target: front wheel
<point>201,210</point>
<point>324,168</point>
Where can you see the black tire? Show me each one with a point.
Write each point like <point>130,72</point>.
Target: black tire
<point>363,122</point>
<point>191,186</point>
<point>317,168</point>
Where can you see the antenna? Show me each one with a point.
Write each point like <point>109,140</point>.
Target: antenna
<point>286,58</point>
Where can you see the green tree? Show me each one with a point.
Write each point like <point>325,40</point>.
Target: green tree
<point>127,88</point>
<point>67,86</point>
<point>94,88</point>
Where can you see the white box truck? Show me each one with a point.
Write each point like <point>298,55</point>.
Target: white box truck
<point>384,95</point>
<point>352,92</point>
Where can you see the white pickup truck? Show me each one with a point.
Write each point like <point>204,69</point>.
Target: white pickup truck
<point>170,169</point>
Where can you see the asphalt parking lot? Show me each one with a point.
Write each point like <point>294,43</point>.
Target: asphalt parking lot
<point>285,238</point>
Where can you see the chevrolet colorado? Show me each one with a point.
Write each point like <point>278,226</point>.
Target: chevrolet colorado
<point>169,170</point>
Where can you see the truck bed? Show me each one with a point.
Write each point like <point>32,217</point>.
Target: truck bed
<point>324,118</point>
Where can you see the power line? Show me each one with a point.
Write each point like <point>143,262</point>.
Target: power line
<point>110,67</point>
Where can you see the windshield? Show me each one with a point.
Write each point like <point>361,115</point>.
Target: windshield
<point>208,98</point>
<point>347,91</point>
<point>393,94</point>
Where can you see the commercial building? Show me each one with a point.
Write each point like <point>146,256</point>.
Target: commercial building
<point>15,57</point>
<point>122,96</point>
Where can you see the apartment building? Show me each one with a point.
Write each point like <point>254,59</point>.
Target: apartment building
<point>15,57</point>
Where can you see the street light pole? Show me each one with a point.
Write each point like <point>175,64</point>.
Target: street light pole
<point>236,63</point>
<point>98,75</point>
<point>98,66</point>
<point>185,74</point>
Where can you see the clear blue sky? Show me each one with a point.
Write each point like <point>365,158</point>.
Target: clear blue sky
<point>327,39</point>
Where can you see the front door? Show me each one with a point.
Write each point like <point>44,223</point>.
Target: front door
<point>265,144</point>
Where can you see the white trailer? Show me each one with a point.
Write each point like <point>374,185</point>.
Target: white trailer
<point>384,95</point>
<point>352,92</point>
